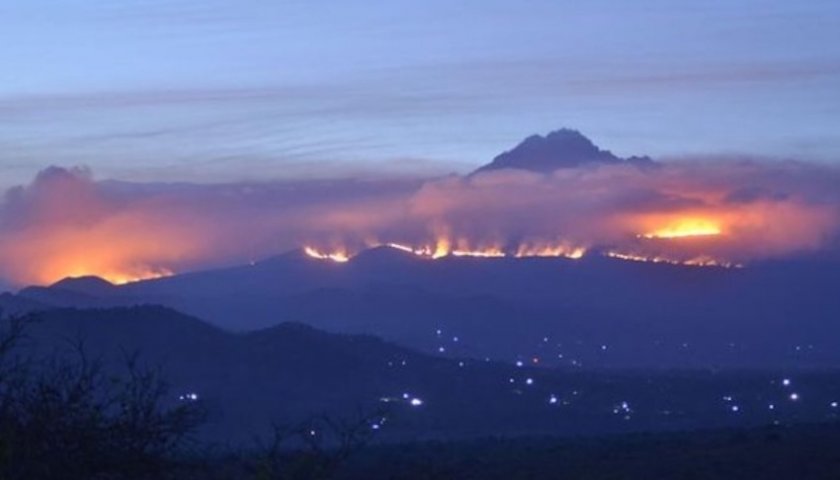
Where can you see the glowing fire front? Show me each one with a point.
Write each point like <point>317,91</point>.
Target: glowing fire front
<point>111,263</point>
<point>490,253</point>
<point>700,261</point>
<point>685,228</point>
<point>121,278</point>
<point>444,248</point>
<point>340,256</point>
<point>437,250</point>
<point>440,249</point>
<point>117,276</point>
<point>550,251</point>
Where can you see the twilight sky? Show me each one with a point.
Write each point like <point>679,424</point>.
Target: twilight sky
<point>217,90</point>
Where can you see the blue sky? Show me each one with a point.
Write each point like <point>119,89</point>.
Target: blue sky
<point>221,91</point>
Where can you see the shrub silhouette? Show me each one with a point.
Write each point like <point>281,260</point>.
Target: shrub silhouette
<point>66,417</point>
<point>313,449</point>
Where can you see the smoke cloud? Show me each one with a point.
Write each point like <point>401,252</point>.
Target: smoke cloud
<point>66,223</point>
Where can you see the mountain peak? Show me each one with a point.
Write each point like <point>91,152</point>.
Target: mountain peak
<point>564,148</point>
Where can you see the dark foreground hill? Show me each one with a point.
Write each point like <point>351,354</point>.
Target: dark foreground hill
<point>249,381</point>
<point>770,453</point>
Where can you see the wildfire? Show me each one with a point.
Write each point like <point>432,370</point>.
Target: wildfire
<point>117,263</point>
<point>550,251</point>
<point>489,253</point>
<point>700,261</point>
<point>121,278</point>
<point>115,275</point>
<point>340,256</point>
<point>440,249</point>
<point>686,227</point>
<point>404,248</point>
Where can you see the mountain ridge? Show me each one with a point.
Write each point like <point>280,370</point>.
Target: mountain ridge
<point>502,308</point>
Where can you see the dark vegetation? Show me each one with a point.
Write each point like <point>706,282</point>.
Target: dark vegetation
<point>70,416</point>
<point>247,381</point>
<point>66,416</point>
<point>71,412</point>
<point>767,453</point>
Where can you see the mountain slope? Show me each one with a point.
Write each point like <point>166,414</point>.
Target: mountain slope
<point>646,314</point>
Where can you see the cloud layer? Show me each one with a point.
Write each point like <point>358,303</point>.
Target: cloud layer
<point>66,223</point>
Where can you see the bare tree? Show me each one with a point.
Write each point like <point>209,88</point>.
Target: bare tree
<point>66,417</point>
<point>315,448</point>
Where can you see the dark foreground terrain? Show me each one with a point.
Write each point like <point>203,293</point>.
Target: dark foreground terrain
<point>246,382</point>
<point>801,452</point>
<point>78,401</point>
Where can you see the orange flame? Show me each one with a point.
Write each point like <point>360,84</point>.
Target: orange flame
<point>121,278</point>
<point>489,253</point>
<point>339,256</point>
<point>404,248</point>
<point>442,248</point>
<point>46,256</point>
<point>700,261</point>
<point>117,276</point>
<point>561,250</point>
<point>685,227</point>
<point>564,250</point>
